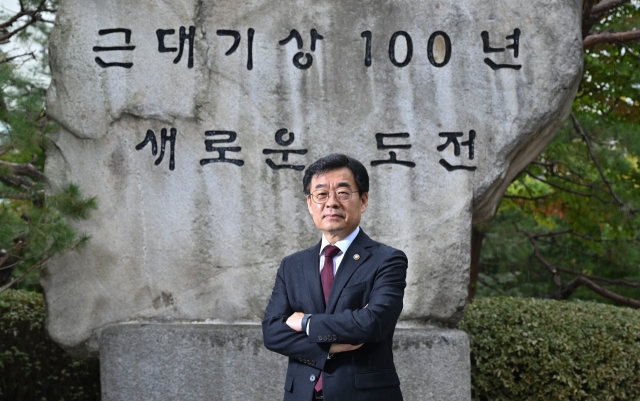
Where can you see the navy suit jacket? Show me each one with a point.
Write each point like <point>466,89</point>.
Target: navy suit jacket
<point>364,305</point>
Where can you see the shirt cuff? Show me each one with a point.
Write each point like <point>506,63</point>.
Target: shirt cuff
<point>305,323</point>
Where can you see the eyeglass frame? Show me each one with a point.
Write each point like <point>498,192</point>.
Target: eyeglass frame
<point>329,196</point>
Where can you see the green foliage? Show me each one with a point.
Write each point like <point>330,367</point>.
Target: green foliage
<point>576,209</point>
<point>32,228</point>
<point>32,367</point>
<point>611,76</point>
<point>562,204</point>
<point>529,350</point>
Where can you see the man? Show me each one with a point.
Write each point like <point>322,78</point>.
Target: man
<point>334,306</point>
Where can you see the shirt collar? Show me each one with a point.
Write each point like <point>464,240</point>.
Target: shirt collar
<point>343,244</point>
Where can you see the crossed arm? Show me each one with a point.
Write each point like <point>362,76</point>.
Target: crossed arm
<point>282,325</point>
<point>295,323</point>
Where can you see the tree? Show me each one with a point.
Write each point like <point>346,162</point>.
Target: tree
<point>33,228</point>
<point>569,224</point>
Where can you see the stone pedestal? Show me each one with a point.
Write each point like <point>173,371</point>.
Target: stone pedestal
<point>206,362</point>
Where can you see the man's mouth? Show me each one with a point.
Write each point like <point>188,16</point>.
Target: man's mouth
<point>332,216</point>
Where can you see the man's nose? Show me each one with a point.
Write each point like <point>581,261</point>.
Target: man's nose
<point>332,201</point>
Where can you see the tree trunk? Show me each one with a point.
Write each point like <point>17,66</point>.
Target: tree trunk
<point>476,246</point>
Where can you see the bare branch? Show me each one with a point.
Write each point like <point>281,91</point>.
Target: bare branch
<point>15,248</point>
<point>6,150</point>
<point>571,232</point>
<point>9,266</point>
<point>579,130</point>
<point>9,34</point>
<point>16,182</point>
<point>629,51</point>
<point>552,171</point>
<point>613,106</point>
<point>565,179</point>
<point>527,198</point>
<point>625,283</point>
<point>587,195</point>
<point>565,291</point>
<point>605,6</point>
<point>551,234</point>
<point>587,6</point>
<point>582,280</point>
<point>551,164</point>
<point>13,19</point>
<point>554,242</point>
<point>16,196</point>
<point>536,251</point>
<point>499,291</point>
<point>26,170</point>
<point>34,15</point>
<point>611,37</point>
<point>37,265</point>
<point>29,270</point>
<point>8,59</point>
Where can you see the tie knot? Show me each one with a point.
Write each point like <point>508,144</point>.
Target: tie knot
<point>330,251</point>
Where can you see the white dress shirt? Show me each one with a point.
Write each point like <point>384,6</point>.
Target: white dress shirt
<point>343,245</point>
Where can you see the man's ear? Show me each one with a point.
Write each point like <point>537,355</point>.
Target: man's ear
<point>310,204</point>
<point>365,202</point>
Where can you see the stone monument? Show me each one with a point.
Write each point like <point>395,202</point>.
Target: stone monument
<point>192,121</point>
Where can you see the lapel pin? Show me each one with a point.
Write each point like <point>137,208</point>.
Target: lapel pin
<point>356,257</point>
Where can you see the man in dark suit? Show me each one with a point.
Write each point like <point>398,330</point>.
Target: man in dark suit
<point>334,306</point>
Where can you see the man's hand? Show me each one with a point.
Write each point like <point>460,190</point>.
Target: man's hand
<point>295,321</point>
<point>335,348</point>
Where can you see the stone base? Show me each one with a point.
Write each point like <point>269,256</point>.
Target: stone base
<point>205,362</point>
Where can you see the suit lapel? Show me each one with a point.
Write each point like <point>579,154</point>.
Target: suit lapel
<point>348,266</point>
<point>311,268</point>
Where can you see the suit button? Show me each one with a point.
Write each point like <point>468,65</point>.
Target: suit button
<point>312,378</point>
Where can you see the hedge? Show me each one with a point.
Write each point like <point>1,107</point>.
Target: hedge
<point>32,367</point>
<point>521,350</point>
<point>531,349</point>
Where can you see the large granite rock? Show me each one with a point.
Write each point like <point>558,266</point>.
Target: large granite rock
<point>457,95</point>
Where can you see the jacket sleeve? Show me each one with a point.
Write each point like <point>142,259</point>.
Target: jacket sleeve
<point>377,319</point>
<point>279,337</point>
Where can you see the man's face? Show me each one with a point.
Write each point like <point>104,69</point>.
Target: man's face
<point>334,218</point>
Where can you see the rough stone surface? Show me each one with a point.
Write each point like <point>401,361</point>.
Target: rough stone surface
<point>204,241</point>
<point>217,362</point>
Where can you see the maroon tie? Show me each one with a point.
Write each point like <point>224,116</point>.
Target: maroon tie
<point>326,275</point>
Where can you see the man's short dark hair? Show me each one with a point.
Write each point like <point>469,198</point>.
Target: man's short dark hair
<point>335,161</point>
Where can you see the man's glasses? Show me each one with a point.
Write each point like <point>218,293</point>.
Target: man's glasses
<point>322,195</point>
